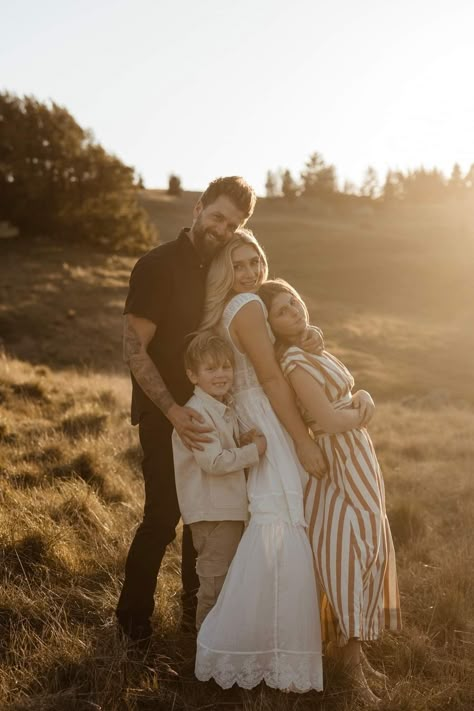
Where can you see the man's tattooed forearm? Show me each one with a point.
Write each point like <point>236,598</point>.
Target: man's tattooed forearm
<point>131,342</point>
<point>144,370</point>
<point>151,381</point>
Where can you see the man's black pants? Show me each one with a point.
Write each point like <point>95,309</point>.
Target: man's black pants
<point>157,530</point>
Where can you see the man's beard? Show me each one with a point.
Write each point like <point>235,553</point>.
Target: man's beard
<point>206,245</point>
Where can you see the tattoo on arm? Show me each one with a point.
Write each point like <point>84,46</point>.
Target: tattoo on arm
<point>131,342</point>
<point>144,370</point>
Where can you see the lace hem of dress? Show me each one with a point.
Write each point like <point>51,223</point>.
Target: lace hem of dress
<point>292,671</point>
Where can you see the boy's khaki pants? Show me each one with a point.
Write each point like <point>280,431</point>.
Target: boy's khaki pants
<point>215,543</point>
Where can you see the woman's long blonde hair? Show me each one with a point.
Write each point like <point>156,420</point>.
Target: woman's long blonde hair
<point>220,277</point>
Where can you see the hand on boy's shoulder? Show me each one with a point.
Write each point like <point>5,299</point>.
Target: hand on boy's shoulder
<point>189,425</point>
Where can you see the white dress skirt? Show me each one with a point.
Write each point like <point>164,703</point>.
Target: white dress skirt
<point>265,625</point>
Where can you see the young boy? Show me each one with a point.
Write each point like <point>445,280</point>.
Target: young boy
<point>210,483</point>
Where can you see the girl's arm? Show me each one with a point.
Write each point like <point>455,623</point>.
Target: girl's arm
<point>315,401</point>
<point>249,331</point>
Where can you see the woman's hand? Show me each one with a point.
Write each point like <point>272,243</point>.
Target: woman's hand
<point>362,401</point>
<point>311,458</point>
<point>313,341</point>
<point>185,421</point>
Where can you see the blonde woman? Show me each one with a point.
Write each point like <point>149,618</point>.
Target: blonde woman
<point>348,526</point>
<point>265,625</point>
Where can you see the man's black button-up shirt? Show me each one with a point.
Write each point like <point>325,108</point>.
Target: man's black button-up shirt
<point>167,287</point>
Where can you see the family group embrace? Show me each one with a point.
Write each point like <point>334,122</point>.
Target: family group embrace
<point>252,434</point>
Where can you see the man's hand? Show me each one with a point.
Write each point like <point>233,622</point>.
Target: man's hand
<point>185,421</point>
<point>313,341</point>
<point>311,458</point>
<point>362,401</point>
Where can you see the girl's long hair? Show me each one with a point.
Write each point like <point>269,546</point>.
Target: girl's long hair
<point>220,277</point>
<point>267,292</point>
<point>273,287</point>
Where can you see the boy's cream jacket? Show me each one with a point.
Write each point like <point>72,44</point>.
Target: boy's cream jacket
<point>211,483</point>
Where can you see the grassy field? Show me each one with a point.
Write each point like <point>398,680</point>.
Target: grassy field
<point>395,297</point>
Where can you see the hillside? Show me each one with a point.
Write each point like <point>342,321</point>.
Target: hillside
<point>395,297</point>
<point>393,293</point>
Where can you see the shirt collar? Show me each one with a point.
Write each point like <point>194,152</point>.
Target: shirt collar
<point>219,407</point>
<point>189,249</point>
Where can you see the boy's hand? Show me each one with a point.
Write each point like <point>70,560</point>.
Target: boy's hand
<point>313,341</point>
<point>261,441</point>
<point>247,437</point>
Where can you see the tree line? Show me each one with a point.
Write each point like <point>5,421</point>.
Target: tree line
<point>56,180</point>
<point>318,180</point>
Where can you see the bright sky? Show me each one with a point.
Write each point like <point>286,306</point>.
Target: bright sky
<point>216,87</point>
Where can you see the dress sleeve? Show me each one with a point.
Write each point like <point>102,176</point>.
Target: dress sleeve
<point>237,302</point>
<point>295,357</point>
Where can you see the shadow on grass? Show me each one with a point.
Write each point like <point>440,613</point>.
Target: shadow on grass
<point>62,305</point>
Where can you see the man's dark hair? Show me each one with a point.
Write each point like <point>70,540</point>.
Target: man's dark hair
<point>236,189</point>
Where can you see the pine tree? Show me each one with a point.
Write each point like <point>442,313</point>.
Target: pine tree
<point>174,185</point>
<point>456,184</point>
<point>370,185</point>
<point>271,184</point>
<point>56,181</point>
<point>319,179</point>
<point>289,187</point>
<point>469,179</point>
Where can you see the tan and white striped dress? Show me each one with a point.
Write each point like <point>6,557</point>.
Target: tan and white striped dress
<point>348,526</point>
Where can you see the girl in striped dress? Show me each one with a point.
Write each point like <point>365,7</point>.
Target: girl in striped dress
<point>348,526</point>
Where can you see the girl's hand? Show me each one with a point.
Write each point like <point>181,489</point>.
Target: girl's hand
<point>362,401</point>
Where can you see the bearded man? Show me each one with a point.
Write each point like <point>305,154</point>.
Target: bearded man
<point>164,305</point>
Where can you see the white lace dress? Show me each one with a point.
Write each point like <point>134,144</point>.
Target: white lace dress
<point>265,625</point>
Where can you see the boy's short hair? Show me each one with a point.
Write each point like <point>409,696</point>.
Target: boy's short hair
<point>236,189</point>
<point>207,345</point>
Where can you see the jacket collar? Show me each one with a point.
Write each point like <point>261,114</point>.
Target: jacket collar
<point>219,407</point>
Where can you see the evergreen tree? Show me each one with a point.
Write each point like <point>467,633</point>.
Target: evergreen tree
<point>289,187</point>
<point>424,185</point>
<point>271,184</point>
<point>349,188</point>
<point>56,181</point>
<point>319,179</point>
<point>456,185</point>
<point>370,185</point>
<point>469,179</point>
<point>174,186</point>
<point>393,188</point>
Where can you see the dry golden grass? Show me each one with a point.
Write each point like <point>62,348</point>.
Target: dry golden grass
<point>394,299</point>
